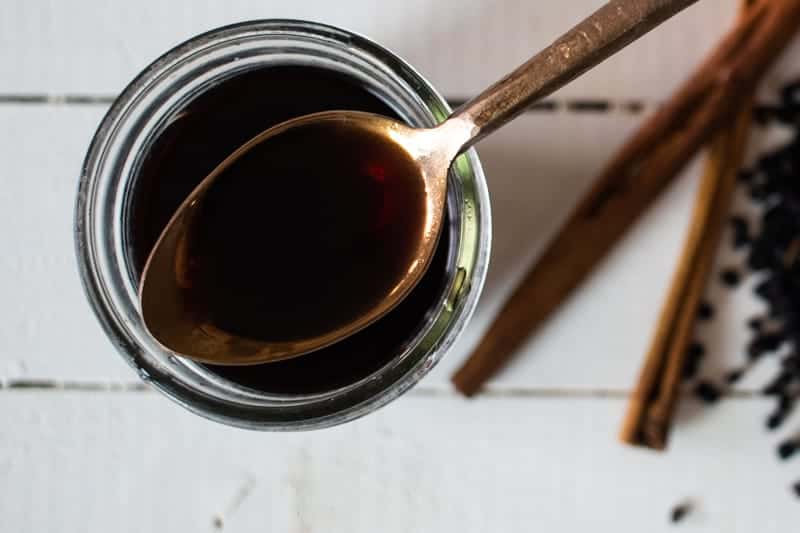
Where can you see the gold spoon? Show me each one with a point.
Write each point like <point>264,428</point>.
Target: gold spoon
<point>167,274</point>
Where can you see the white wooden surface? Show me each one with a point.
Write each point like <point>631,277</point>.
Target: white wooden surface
<point>536,453</point>
<point>132,463</point>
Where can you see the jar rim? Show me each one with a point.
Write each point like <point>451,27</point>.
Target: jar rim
<point>150,89</point>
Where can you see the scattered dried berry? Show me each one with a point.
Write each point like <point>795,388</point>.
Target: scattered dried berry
<point>679,512</point>
<point>694,356</point>
<point>705,311</point>
<point>734,376</point>
<point>772,242</point>
<point>741,231</point>
<point>755,349</point>
<point>790,95</point>
<point>782,411</point>
<point>778,384</point>
<point>775,420</point>
<point>744,176</point>
<point>765,289</point>
<point>730,277</point>
<point>786,402</point>
<point>755,324</point>
<point>791,364</point>
<point>690,369</point>
<point>762,115</point>
<point>707,392</point>
<point>696,350</point>
<point>788,448</point>
<point>758,258</point>
<point>758,192</point>
<point>771,341</point>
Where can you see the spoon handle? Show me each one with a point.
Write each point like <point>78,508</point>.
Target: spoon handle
<point>609,29</point>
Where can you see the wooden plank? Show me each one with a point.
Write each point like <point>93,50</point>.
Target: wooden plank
<point>96,47</point>
<point>49,330</point>
<point>536,168</point>
<point>133,462</point>
<point>539,453</point>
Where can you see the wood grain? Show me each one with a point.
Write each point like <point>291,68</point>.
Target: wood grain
<point>86,460</point>
<point>134,462</point>
<point>536,169</point>
<point>96,47</point>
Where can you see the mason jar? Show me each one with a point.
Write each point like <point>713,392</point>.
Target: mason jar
<point>317,390</point>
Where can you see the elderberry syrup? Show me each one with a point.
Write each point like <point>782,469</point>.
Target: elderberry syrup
<point>301,233</point>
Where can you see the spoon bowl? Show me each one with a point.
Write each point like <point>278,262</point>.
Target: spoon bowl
<point>168,292</point>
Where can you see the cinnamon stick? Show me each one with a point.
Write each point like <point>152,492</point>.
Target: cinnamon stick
<point>652,404</point>
<point>673,307</point>
<point>633,179</point>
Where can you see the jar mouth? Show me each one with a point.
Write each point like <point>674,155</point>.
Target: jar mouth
<point>142,110</point>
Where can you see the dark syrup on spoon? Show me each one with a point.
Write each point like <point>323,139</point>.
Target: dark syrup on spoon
<point>305,232</point>
<point>209,129</point>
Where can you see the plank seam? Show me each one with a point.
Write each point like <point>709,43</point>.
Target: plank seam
<point>763,111</point>
<point>53,385</point>
<point>577,105</point>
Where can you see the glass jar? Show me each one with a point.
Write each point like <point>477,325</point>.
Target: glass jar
<point>108,177</point>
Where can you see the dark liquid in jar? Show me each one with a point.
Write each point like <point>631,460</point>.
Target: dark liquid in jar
<point>211,127</point>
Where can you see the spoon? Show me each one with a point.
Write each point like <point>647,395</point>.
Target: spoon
<point>424,155</point>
